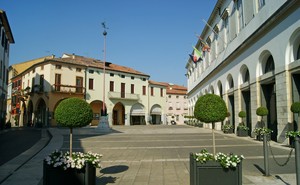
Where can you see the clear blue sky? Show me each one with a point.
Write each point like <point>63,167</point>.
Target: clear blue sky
<point>152,36</point>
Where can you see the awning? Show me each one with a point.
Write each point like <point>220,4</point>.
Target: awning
<point>137,110</point>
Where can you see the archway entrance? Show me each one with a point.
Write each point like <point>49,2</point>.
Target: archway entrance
<point>119,114</point>
<point>29,113</point>
<point>231,110</point>
<point>269,100</point>
<point>155,114</point>
<point>137,115</point>
<point>246,104</point>
<point>41,114</point>
<point>97,107</point>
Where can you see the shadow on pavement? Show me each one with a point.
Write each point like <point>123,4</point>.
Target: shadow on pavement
<point>111,170</point>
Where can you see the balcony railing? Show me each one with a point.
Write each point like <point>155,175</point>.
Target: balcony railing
<point>119,95</point>
<point>68,89</point>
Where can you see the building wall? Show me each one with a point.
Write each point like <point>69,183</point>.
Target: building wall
<point>6,38</point>
<point>176,108</point>
<point>265,35</point>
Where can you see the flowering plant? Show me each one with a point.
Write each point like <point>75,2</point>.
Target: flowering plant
<point>227,127</point>
<point>262,131</point>
<point>77,159</point>
<point>292,134</point>
<point>242,127</point>
<point>225,160</point>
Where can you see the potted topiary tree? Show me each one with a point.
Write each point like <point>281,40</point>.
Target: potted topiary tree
<point>242,129</point>
<point>71,167</point>
<point>262,129</point>
<point>205,166</point>
<point>295,108</point>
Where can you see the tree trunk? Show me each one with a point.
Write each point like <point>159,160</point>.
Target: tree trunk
<point>71,138</point>
<point>214,142</point>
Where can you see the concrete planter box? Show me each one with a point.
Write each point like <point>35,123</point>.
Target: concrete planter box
<point>58,176</point>
<point>212,173</point>
<point>242,132</point>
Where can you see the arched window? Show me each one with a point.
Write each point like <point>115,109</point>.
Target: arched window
<point>269,65</point>
<point>246,76</point>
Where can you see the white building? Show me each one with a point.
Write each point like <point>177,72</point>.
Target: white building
<point>130,98</point>
<point>177,103</point>
<point>6,38</point>
<point>254,61</point>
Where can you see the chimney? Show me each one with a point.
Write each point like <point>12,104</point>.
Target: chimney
<point>73,56</point>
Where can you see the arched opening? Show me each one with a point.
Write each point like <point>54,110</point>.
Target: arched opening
<point>269,67</point>
<point>30,113</point>
<point>220,89</point>
<point>137,115</point>
<point>155,114</point>
<point>97,108</point>
<point>41,114</point>
<point>118,114</point>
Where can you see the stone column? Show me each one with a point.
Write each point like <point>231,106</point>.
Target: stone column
<point>283,102</point>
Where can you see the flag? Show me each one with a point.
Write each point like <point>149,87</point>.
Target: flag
<point>196,56</point>
<point>204,45</point>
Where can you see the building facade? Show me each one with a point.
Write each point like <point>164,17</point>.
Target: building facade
<point>177,103</point>
<point>6,38</point>
<point>253,60</point>
<point>130,98</point>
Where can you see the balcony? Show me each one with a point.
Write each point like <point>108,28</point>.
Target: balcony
<point>124,96</point>
<point>59,88</point>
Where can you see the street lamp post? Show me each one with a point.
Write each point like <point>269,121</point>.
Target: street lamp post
<point>103,123</point>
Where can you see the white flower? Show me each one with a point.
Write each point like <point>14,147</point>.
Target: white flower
<point>78,159</point>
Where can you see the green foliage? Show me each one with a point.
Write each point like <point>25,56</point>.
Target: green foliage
<point>73,112</point>
<point>242,114</point>
<point>262,111</point>
<point>210,108</point>
<point>295,108</point>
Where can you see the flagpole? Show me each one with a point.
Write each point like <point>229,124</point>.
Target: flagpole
<point>103,123</point>
<point>214,31</point>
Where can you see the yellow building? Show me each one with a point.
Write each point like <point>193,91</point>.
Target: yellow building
<point>130,98</point>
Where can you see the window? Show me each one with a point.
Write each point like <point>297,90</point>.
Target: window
<point>152,91</point>
<point>132,88</point>
<point>79,84</point>
<point>122,76</point>
<point>260,3</point>
<point>91,71</point>
<point>161,92</point>
<point>57,82</point>
<point>57,66</point>
<point>144,90</point>
<point>132,77</point>
<point>42,67</point>
<point>240,14</point>
<point>111,74</point>
<point>91,83</point>
<point>144,79</point>
<point>177,106</point>
<point>170,96</point>
<point>78,69</point>
<point>111,86</point>
<point>269,65</point>
<point>246,76</point>
<point>41,83</point>
<point>122,90</point>
<point>32,83</point>
<point>33,70</point>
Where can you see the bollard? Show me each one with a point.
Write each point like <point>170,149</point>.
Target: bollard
<point>266,155</point>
